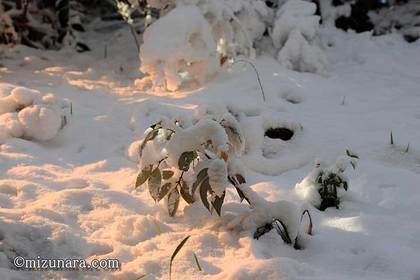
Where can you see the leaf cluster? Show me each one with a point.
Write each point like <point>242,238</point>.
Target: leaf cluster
<point>165,180</point>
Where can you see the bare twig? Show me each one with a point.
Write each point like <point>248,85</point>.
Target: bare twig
<point>256,72</point>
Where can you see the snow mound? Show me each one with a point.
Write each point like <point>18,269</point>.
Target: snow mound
<point>39,122</point>
<point>176,50</point>
<point>321,177</point>
<point>26,113</point>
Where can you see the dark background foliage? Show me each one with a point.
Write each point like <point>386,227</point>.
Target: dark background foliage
<point>51,24</point>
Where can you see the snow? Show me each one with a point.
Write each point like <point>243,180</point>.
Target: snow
<point>39,123</point>
<point>29,114</point>
<point>218,176</point>
<point>74,196</point>
<point>296,33</point>
<point>175,51</point>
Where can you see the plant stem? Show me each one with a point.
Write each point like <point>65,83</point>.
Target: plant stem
<point>133,32</point>
<point>256,72</point>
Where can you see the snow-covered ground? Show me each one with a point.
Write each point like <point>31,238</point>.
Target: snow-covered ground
<point>73,196</point>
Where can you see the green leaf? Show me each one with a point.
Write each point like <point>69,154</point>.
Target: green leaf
<point>204,188</point>
<point>200,178</point>
<point>232,132</point>
<point>185,193</point>
<point>242,195</point>
<point>237,180</point>
<point>167,174</point>
<point>218,203</point>
<point>240,179</point>
<point>197,262</point>
<point>185,160</point>
<point>154,182</point>
<point>351,154</point>
<point>177,249</point>
<point>408,147</point>
<point>164,191</point>
<point>143,175</point>
<point>173,201</point>
<point>345,185</point>
<point>156,125</point>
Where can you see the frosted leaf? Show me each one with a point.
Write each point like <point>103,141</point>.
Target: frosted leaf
<point>173,201</point>
<point>217,172</point>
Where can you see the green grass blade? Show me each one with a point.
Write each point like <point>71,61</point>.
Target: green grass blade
<point>197,262</point>
<point>177,249</point>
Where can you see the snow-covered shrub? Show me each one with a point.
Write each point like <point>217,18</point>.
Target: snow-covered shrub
<point>177,52</point>
<point>177,161</point>
<point>296,35</point>
<point>8,33</point>
<point>49,24</point>
<point>330,11</point>
<point>26,113</point>
<point>325,185</point>
<point>403,17</point>
<point>199,161</point>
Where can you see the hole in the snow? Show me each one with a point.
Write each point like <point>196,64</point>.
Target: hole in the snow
<point>292,100</point>
<point>279,133</point>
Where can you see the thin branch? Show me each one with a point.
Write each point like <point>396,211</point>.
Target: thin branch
<point>256,72</point>
<point>134,33</point>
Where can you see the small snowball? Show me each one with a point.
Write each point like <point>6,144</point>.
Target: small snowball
<point>10,126</point>
<point>8,104</point>
<point>49,99</point>
<point>40,123</point>
<point>24,96</point>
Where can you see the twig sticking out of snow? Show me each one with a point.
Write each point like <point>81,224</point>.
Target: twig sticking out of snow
<point>256,73</point>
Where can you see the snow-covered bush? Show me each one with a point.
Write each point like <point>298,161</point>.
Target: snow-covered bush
<point>325,185</point>
<point>28,114</point>
<point>199,161</point>
<point>177,161</point>
<point>49,24</point>
<point>295,34</point>
<point>330,11</point>
<point>403,17</point>
<point>178,52</point>
<point>8,33</point>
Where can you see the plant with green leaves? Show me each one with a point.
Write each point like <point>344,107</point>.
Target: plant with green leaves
<point>326,184</point>
<point>198,161</point>
<point>193,162</point>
